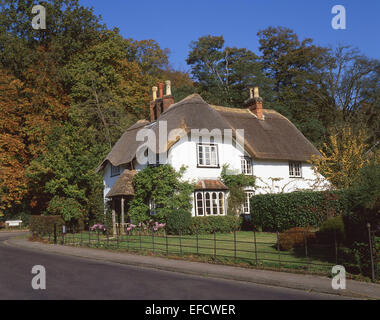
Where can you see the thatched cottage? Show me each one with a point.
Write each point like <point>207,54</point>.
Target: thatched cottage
<point>203,137</point>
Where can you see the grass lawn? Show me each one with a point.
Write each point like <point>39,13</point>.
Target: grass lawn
<point>222,248</point>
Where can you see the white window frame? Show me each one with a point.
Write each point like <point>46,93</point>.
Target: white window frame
<point>247,204</point>
<point>204,153</point>
<point>115,171</point>
<point>152,207</point>
<point>213,203</point>
<point>295,169</point>
<point>246,166</point>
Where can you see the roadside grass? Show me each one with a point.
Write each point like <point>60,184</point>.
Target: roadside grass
<point>219,248</point>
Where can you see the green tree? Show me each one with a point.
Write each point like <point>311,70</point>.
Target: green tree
<point>160,190</point>
<point>224,74</point>
<point>64,177</point>
<point>236,183</point>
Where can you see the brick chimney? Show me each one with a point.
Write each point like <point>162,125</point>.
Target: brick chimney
<point>255,103</point>
<point>161,103</point>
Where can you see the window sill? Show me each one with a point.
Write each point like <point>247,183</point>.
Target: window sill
<point>208,167</point>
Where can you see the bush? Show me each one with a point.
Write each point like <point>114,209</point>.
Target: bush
<point>364,197</point>
<point>221,224</point>
<point>295,238</point>
<point>279,212</point>
<point>178,222</point>
<point>39,225</point>
<point>331,229</point>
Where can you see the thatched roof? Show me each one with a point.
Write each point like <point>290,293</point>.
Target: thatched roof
<point>210,185</point>
<point>123,186</point>
<point>274,138</point>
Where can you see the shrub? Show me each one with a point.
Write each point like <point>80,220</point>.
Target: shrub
<point>279,212</point>
<point>39,225</point>
<point>295,238</point>
<point>364,197</point>
<point>222,224</point>
<point>331,229</point>
<point>178,222</point>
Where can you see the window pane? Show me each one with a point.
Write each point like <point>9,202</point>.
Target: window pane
<point>207,203</point>
<point>199,204</point>
<point>200,155</point>
<point>221,203</point>
<point>214,203</point>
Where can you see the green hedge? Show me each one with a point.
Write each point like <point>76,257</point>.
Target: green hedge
<point>279,212</point>
<point>39,225</point>
<point>221,224</point>
<point>178,222</point>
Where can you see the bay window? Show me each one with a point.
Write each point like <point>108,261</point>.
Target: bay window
<point>209,203</point>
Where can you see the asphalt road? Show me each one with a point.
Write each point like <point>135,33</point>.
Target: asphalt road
<point>72,278</point>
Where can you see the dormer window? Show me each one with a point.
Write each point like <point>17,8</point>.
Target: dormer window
<point>295,169</point>
<point>207,155</point>
<point>246,166</point>
<point>115,171</point>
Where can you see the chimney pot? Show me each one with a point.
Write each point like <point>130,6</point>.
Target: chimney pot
<point>168,87</point>
<point>250,93</point>
<point>255,103</point>
<point>154,90</point>
<point>160,90</point>
<point>256,94</point>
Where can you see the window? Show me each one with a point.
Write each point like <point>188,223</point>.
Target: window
<point>115,171</point>
<point>208,155</point>
<point>152,207</point>
<point>247,206</point>
<point>246,166</point>
<point>209,203</point>
<point>295,169</point>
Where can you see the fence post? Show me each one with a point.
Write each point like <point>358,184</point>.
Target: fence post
<point>166,239</point>
<point>117,240</point>
<point>127,238</point>
<point>55,233</point>
<point>214,245</point>
<point>153,239</point>
<point>98,238</point>
<point>140,239</point>
<point>254,237</point>
<point>180,242</point>
<point>235,246</point>
<point>370,251</point>
<point>336,248</point>
<point>108,239</point>
<point>89,237</point>
<point>278,249</point>
<point>63,234</point>
<point>81,237</point>
<point>197,243</point>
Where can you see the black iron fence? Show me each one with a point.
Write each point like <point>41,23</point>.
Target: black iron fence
<point>300,250</point>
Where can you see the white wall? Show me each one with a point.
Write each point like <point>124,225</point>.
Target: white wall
<point>271,176</point>
<point>109,181</point>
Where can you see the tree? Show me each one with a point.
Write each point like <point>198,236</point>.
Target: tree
<point>223,75</point>
<point>236,184</point>
<point>158,191</point>
<point>63,177</point>
<point>342,157</point>
<point>13,151</point>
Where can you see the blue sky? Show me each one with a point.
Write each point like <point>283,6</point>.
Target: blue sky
<point>175,23</point>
